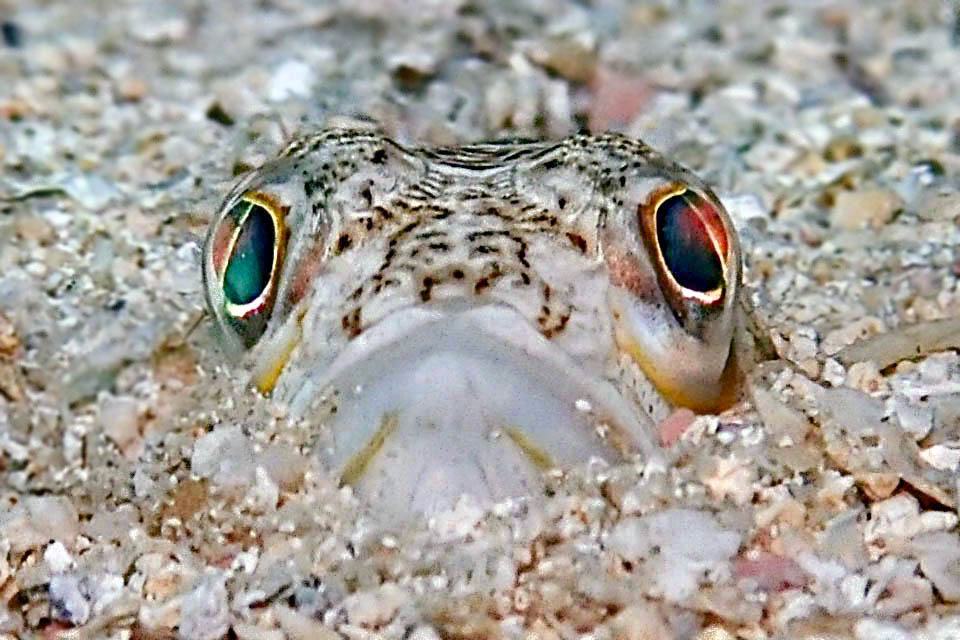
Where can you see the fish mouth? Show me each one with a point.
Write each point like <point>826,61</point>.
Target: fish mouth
<point>430,404</point>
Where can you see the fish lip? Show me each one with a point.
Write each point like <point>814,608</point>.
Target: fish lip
<point>499,325</point>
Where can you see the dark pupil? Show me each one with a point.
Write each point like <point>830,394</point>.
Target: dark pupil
<point>686,246</point>
<point>248,271</point>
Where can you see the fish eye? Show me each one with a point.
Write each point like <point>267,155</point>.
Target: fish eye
<point>247,248</point>
<point>689,242</point>
<point>687,229</point>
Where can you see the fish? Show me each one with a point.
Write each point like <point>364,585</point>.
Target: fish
<point>454,322</point>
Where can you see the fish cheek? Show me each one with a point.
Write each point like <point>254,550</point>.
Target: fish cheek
<point>636,305</point>
<point>648,328</point>
<point>305,274</point>
<point>626,271</point>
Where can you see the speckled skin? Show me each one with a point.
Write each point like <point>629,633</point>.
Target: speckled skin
<point>486,289</point>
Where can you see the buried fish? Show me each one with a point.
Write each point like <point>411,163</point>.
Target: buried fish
<point>457,320</point>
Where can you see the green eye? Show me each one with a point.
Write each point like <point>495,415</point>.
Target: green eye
<point>251,262</point>
<point>246,250</point>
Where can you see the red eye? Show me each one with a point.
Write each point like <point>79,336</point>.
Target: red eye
<point>692,242</point>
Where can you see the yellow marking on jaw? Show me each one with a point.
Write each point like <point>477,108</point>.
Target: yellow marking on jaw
<point>712,400</point>
<point>358,463</point>
<point>540,458</point>
<point>271,365</point>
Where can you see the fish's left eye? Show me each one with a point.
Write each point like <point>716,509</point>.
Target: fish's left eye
<point>692,242</point>
<point>246,254</point>
<point>690,245</point>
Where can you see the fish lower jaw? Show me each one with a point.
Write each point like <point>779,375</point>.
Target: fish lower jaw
<point>474,403</point>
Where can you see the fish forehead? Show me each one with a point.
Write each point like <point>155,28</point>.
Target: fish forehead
<point>485,155</point>
<point>508,219</point>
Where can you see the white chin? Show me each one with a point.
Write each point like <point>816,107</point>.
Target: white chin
<point>434,404</point>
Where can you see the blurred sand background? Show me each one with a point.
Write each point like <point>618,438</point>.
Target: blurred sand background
<point>146,492</point>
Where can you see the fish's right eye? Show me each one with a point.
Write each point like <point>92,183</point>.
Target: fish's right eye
<point>246,255</point>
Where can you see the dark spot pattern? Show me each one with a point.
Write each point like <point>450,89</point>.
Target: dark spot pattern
<point>465,223</point>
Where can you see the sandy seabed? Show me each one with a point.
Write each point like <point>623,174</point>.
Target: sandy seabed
<point>148,493</point>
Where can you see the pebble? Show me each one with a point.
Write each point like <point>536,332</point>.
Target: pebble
<point>780,419</point>
<point>855,331</point>
<point>906,341</point>
<point>373,609</point>
<point>673,564</point>
<point>865,208</point>
<point>412,68</point>
<point>939,206</point>
<point>163,577</point>
<point>225,456</point>
<point>870,629</point>
<point>246,631</point>
<point>204,613</point>
<point>558,109</point>
<point>31,523</point>
<point>70,599</point>
<point>285,466</point>
<point>865,377</point>
<point>160,618</point>
<point>768,571</point>
<point>939,555</point>
<point>10,376</point>
<point>133,89</point>
<point>945,457</point>
<point>120,417</point>
<point>154,26</point>
<point>263,494</point>
<point>92,191</point>
<point>301,627</point>
<point>732,479</point>
<point>900,517</point>
<point>842,148</point>
<point>878,485</point>
<point>616,98</point>
<point>905,593</point>
<point>641,621</point>
<point>570,57</point>
<point>57,557</point>
<point>76,598</point>
<point>833,372</point>
<point>12,34</point>
<point>675,425</point>
<point>744,207</point>
<point>291,79</point>
<point>915,419</point>
<point>499,101</point>
<point>797,605</point>
<point>459,522</point>
<point>34,229</point>
<point>424,633</point>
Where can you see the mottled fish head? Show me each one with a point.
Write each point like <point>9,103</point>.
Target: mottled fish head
<point>458,320</point>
